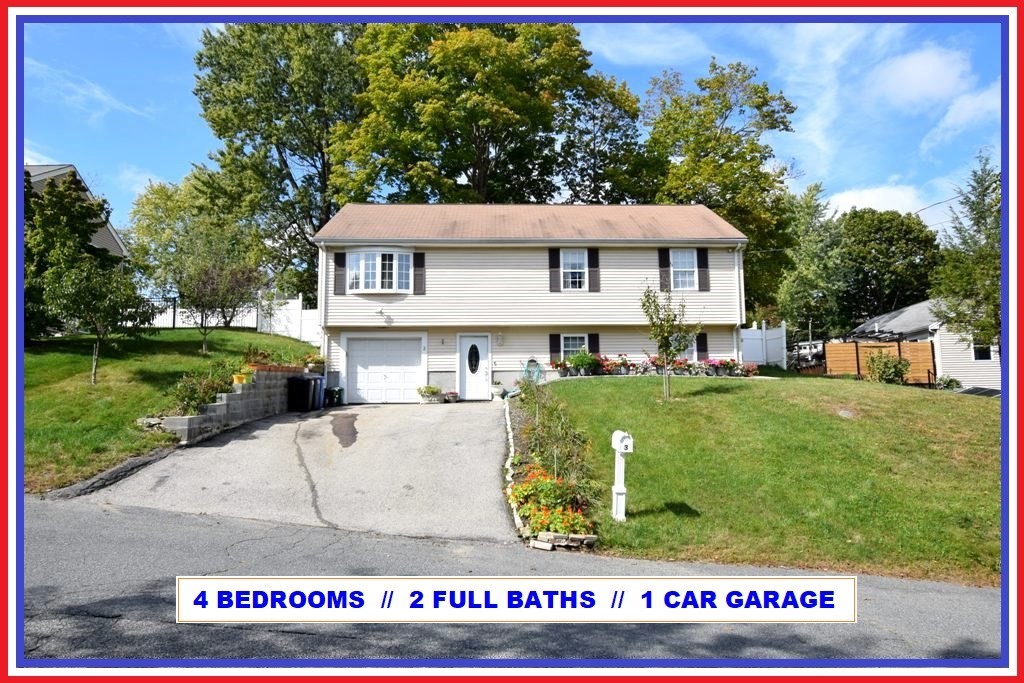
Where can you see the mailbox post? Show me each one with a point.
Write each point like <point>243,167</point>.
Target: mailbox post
<point>622,442</point>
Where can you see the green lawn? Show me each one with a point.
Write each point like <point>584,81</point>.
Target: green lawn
<point>766,472</point>
<point>74,430</point>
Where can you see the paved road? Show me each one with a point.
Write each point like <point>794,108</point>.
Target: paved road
<point>100,584</point>
<point>414,470</point>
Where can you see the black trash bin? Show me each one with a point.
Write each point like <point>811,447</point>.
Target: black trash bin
<point>301,394</point>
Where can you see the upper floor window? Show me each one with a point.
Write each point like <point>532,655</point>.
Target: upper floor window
<point>982,352</point>
<point>684,269</point>
<point>574,269</point>
<point>380,271</point>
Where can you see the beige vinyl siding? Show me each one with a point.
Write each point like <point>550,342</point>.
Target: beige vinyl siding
<point>519,344</point>
<point>954,356</point>
<point>509,286</point>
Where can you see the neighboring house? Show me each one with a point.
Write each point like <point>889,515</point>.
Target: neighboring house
<point>974,362</point>
<point>105,237</point>
<point>460,295</point>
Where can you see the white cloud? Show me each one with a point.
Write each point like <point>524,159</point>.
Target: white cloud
<point>75,91</point>
<point>187,36</point>
<point>965,112</point>
<point>644,44</point>
<point>918,80</point>
<point>134,179</point>
<point>34,157</point>
<point>902,198</point>
<point>814,65</point>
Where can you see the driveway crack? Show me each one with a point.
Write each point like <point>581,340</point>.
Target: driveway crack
<point>315,497</point>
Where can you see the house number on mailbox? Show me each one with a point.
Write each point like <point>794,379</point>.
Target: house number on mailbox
<point>473,358</point>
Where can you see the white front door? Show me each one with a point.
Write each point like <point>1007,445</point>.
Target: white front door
<point>474,368</point>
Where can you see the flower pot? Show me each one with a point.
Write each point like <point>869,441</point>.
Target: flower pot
<point>584,372</point>
<point>678,371</point>
<point>432,398</point>
<point>239,378</point>
<point>660,371</point>
<point>721,372</point>
<point>573,372</point>
<point>563,372</point>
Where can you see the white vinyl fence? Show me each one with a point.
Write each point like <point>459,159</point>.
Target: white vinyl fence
<point>286,317</point>
<point>764,345</point>
<point>290,319</point>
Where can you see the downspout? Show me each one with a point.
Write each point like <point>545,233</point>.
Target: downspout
<point>737,257</point>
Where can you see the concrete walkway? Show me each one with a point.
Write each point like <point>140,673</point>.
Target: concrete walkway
<point>413,470</point>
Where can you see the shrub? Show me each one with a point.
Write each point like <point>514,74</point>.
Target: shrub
<point>749,369</point>
<point>947,382</point>
<point>429,390</point>
<point>199,387</point>
<point>583,360</point>
<point>549,503</point>
<point>887,368</point>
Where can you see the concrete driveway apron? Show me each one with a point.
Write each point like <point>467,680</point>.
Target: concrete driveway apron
<point>412,470</point>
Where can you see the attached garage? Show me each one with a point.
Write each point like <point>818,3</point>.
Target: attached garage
<point>384,369</point>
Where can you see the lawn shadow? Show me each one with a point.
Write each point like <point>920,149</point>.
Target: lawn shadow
<point>158,379</point>
<point>724,386</point>
<point>677,508</point>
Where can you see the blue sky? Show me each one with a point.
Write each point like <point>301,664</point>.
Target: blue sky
<point>890,115</point>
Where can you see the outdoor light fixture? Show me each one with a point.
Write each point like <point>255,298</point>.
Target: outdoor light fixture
<point>500,339</point>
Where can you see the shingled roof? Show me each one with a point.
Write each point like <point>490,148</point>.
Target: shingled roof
<point>474,223</point>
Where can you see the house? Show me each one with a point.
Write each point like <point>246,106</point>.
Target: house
<point>105,236</point>
<point>974,362</point>
<point>460,295</point>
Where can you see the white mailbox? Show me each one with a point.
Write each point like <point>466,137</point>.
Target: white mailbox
<point>622,442</point>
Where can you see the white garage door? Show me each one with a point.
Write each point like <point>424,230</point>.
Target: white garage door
<point>385,370</point>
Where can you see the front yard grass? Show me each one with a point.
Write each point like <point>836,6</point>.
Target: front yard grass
<point>73,430</point>
<point>768,472</point>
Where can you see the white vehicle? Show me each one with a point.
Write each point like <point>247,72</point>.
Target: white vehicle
<point>807,353</point>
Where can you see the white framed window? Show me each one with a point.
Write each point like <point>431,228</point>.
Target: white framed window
<point>571,343</point>
<point>379,271</point>
<point>981,351</point>
<point>574,269</point>
<point>684,269</point>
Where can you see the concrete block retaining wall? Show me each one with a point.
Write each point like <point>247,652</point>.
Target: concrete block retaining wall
<point>266,395</point>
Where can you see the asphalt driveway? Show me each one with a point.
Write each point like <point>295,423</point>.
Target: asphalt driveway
<point>413,470</point>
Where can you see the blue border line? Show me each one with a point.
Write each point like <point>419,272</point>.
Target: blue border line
<point>19,326</point>
<point>1001,662</point>
<point>1004,375</point>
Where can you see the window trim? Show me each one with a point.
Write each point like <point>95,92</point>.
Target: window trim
<point>672,270</point>
<point>582,336</point>
<point>974,352</point>
<point>359,273</point>
<point>585,286</point>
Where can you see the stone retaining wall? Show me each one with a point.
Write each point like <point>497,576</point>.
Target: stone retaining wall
<point>266,395</point>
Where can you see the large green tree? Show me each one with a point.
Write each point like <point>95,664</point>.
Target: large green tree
<point>191,244</point>
<point>273,93</point>
<point>807,291</point>
<point>967,282</point>
<point>711,138</point>
<point>458,112</point>
<point>600,152</point>
<point>60,219</point>
<point>884,261</point>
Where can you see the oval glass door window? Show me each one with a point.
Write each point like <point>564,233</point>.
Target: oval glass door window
<point>473,358</point>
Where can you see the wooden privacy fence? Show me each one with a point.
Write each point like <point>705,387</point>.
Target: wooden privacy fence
<point>851,358</point>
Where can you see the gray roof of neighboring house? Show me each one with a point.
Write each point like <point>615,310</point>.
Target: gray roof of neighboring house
<point>106,236</point>
<point>519,223</point>
<point>899,323</point>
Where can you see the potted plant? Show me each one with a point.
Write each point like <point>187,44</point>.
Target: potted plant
<point>451,397</point>
<point>657,362</point>
<point>314,363</point>
<point>730,366</point>
<point>561,367</point>
<point>581,362</point>
<point>496,388</point>
<point>680,366</point>
<point>243,376</point>
<point>430,393</point>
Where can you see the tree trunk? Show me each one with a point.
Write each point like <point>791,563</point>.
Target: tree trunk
<point>666,389</point>
<point>95,359</point>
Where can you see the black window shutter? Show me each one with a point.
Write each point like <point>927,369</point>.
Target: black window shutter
<point>703,281</point>
<point>702,346</point>
<point>339,273</point>
<point>419,273</point>
<point>555,270</point>
<point>593,270</point>
<point>594,342</point>
<point>664,270</point>
<point>555,347</point>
